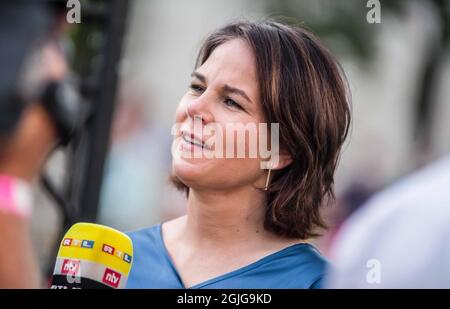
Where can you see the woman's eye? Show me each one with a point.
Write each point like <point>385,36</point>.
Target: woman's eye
<point>230,103</point>
<point>196,88</point>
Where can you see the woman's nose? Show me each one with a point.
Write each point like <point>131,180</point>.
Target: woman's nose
<point>200,109</point>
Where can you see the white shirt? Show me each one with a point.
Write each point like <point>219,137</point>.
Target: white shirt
<point>401,238</point>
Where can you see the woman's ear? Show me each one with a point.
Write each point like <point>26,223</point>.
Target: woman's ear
<point>284,160</point>
<point>278,161</point>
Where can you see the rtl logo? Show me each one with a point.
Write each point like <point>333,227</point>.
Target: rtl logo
<point>67,242</point>
<point>108,249</point>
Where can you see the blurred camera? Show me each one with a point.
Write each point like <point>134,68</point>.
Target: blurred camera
<point>25,29</point>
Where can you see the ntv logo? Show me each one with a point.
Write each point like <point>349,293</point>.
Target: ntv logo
<point>74,13</point>
<point>111,278</point>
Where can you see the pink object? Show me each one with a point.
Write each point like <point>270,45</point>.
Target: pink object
<point>15,196</point>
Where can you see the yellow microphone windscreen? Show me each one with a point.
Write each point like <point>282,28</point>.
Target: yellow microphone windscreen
<point>93,256</point>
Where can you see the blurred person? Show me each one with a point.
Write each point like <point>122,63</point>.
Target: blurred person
<point>22,155</point>
<point>400,238</point>
<point>248,227</point>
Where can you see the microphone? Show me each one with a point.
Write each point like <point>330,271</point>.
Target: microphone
<point>93,256</point>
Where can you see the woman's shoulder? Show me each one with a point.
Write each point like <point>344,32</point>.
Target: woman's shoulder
<point>151,267</point>
<point>308,254</point>
<point>152,237</point>
<point>150,230</point>
<point>147,235</point>
<point>301,265</point>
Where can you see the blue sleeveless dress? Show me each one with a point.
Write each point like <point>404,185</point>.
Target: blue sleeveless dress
<point>299,266</point>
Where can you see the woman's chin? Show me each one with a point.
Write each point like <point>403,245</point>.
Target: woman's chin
<point>189,169</point>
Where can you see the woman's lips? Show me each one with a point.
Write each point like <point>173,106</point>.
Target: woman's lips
<point>193,141</point>
<point>190,147</point>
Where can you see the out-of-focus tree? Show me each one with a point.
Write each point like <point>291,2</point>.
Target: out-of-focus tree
<point>344,26</point>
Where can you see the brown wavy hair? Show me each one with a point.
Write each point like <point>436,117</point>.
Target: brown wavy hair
<point>304,89</point>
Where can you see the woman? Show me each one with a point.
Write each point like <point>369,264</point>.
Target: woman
<point>248,227</point>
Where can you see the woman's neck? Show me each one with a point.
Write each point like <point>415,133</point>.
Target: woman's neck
<point>225,217</point>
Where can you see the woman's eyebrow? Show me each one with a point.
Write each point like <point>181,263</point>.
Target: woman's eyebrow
<point>229,89</point>
<point>199,76</point>
<point>226,88</point>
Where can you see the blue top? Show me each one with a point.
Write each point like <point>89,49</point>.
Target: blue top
<point>297,266</point>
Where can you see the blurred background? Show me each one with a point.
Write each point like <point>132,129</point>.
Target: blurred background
<point>398,72</point>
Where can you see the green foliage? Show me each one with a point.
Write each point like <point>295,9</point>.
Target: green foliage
<point>342,24</point>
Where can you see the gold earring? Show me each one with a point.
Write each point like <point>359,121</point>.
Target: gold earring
<point>267,180</point>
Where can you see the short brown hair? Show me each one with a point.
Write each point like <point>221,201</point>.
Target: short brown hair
<point>302,88</point>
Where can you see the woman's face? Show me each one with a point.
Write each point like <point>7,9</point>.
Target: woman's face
<point>223,93</point>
